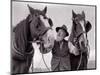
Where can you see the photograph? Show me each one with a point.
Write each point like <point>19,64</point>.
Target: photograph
<point>52,37</point>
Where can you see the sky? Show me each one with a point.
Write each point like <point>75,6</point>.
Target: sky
<point>60,14</point>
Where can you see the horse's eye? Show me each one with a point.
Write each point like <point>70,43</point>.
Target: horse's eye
<point>76,19</point>
<point>36,14</point>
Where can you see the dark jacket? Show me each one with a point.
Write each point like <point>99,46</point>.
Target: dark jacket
<point>60,57</point>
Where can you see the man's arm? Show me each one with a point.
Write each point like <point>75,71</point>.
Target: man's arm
<point>73,49</point>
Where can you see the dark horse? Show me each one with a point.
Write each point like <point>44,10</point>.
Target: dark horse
<point>78,37</point>
<point>27,31</point>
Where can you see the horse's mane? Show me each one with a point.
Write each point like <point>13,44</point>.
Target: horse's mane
<point>21,33</point>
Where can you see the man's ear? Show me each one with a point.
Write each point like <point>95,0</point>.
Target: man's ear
<point>31,9</point>
<point>83,14</point>
<point>73,14</point>
<point>45,10</point>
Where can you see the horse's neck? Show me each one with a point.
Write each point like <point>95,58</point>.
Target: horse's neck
<point>22,34</point>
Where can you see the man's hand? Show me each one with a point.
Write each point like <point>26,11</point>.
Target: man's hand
<point>73,49</point>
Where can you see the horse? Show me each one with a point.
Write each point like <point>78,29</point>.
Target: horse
<point>27,31</point>
<point>78,37</point>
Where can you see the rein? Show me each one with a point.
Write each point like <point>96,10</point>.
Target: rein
<point>45,63</point>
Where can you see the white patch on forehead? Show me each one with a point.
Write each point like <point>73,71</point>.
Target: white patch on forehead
<point>84,35</point>
<point>45,21</point>
<point>82,24</point>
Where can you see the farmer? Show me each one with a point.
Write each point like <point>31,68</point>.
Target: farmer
<point>61,49</point>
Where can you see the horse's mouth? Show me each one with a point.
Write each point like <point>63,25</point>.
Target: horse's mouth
<point>38,39</point>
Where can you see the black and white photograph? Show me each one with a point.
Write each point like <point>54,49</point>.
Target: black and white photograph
<point>52,37</point>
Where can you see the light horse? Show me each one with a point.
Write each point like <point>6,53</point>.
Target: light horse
<point>78,37</point>
<point>27,31</point>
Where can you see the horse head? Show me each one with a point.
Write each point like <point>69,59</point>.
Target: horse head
<point>32,28</point>
<point>80,28</point>
<point>39,22</point>
<point>80,21</point>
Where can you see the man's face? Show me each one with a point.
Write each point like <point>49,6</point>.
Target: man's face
<point>61,35</point>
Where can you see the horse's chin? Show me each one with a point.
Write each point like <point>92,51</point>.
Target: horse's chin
<point>37,40</point>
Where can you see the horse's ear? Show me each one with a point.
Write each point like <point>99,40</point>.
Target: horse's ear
<point>31,9</point>
<point>45,10</point>
<point>73,14</point>
<point>83,14</point>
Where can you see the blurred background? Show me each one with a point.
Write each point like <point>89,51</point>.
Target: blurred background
<point>60,14</point>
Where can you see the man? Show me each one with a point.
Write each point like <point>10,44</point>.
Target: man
<point>61,49</point>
